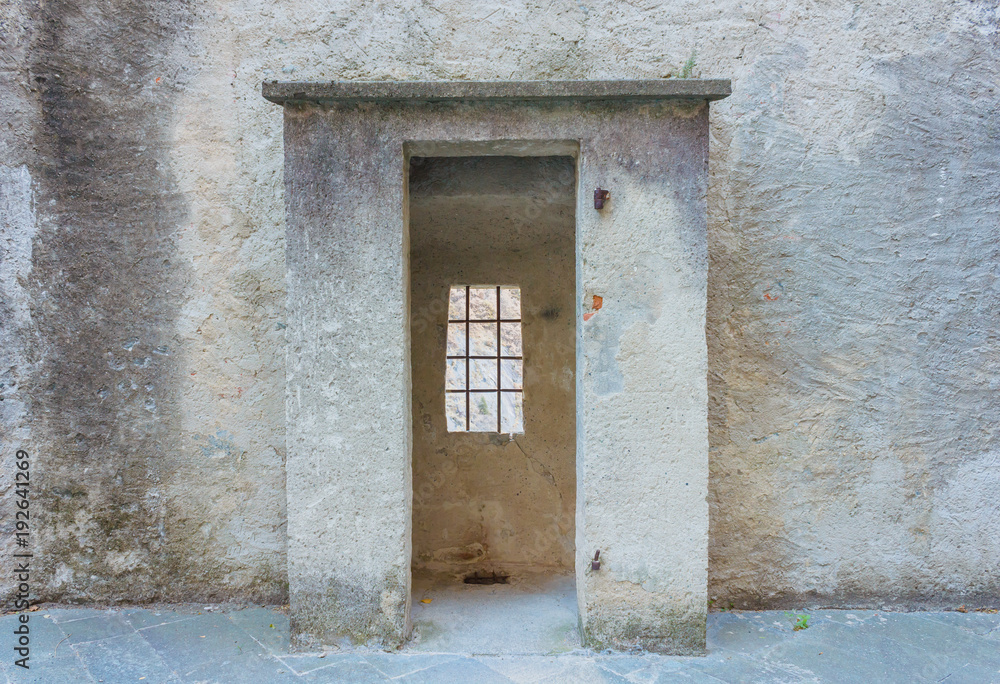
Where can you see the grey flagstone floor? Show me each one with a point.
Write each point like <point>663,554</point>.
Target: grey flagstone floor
<point>232,644</point>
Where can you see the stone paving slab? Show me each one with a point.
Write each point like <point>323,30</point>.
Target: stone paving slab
<point>982,624</point>
<point>395,665</point>
<point>51,659</point>
<point>125,659</point>
<point>183,644</point>
<point>141,618</point>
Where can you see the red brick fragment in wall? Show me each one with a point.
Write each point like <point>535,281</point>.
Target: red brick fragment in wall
<point>597,304</point>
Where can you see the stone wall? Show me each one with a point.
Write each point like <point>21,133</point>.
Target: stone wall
<point>853,231</point>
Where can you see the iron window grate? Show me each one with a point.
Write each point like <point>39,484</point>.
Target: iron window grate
<point>484,360</point>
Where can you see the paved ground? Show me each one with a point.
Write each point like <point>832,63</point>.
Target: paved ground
<point>185,644</point>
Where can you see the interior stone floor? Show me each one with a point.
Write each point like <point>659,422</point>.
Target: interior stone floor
<point>534,614</point>
<point>251,644</point>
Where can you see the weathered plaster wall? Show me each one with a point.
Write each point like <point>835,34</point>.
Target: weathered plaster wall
<point>852,241</point>
<point>484,501</point>
<point>147,361</point>
<point>852,311</point>
<point>17,228</point>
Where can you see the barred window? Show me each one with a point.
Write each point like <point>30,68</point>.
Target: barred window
<point>483,379</point>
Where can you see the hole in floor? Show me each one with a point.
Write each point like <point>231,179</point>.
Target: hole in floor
<point>486,578</point>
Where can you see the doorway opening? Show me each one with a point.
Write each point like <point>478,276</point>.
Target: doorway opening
<point>494,412</point>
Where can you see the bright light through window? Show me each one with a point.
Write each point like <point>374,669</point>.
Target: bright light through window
<point>483,379</point>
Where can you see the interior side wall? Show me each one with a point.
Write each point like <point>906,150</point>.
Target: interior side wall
<point>484,501</point>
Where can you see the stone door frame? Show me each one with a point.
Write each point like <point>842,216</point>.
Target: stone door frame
<point>642,432</point>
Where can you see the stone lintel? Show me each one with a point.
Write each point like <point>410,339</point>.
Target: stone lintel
<point>485,91</point>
